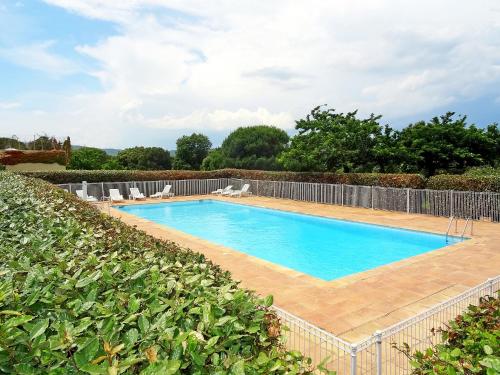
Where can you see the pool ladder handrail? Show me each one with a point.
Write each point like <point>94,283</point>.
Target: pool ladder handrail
<point>469,220</point>
<point>455,219</point>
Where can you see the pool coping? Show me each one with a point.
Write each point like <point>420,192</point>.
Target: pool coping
<point>295,286</point>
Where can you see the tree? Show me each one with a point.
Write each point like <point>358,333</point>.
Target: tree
<point>191,150</point>
<point>87,158</point>
<point>67,149</point>
<point>214,160</point>
<point>493,134</point>
<point>252,147</point>
<point>11,143</point>
<point>144,158</point>
<point>447,144</point>
<point>44,142</point>
<point>329,141</point>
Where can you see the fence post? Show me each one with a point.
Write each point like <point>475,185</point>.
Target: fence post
<point>354,349</point>
<point>342,193</point>
<point>490,287</point>
<point>84,190</point>
<point>407,200</point>
<point>371,193</point>
<point>451,202</point>
<point>102,190</point>
<point>274,189</point>
<point>378,343</point>
<point>257,188</point>
<point>70,187</point>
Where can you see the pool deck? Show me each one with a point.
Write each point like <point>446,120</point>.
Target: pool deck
<point>354,306</point>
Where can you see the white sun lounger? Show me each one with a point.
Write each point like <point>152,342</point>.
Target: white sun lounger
<point>136,194</point>
<point>240,193</point>
<point>115,196</point>
<point>224,191</point>
<point>89,198</point>
<point>162,194</point>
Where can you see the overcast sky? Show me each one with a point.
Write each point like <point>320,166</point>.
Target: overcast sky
<point>119,73</point>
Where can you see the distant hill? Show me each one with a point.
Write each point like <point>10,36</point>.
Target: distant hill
<point>109,151</point>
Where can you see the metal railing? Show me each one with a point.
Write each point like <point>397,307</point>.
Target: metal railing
<point>378,354</point>
<point>100,190</point>
<point>461,204</point>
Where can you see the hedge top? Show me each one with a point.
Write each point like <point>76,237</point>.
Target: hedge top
<point>414,181</point>
<point>380,179</point>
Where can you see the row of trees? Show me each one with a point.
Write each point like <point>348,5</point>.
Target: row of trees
<point>326,141</point>
<point>330,141</point>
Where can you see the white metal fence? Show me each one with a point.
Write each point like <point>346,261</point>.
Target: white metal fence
<point>377,354</point>
<point>100,190</point>
<point>463,204</point>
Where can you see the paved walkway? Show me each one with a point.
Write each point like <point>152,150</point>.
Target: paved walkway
<point>354,306</point>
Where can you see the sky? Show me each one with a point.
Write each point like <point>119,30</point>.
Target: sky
<point>122,73</point>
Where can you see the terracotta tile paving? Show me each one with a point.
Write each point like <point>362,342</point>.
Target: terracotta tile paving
<point>353,306</point>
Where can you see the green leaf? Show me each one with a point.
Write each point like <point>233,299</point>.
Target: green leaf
<point>212,341</point>
<point>268,301</point>
<point>131,337</point>
<point>488,350</point>
<point>87,352</point>
<point>143,323</point>
<point>238,368</point>
<point>455,353</point>
<point>17,321</point>
<point>38,328</point>
<point>262,359</point>
<point>164,367</point>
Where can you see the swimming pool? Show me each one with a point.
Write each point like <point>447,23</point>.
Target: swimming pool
<point>321,247</point>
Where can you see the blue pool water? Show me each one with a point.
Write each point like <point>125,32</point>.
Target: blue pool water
<point>321,247</point>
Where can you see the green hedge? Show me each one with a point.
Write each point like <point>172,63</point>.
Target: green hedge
<point>471,344</point>
<point>376,179</point>
<point>81,292</point>
<point>380,179</point>
<point>465,183</point>
<point>76,176</point>
<point>414,181</point>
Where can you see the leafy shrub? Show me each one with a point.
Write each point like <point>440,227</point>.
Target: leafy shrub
<point>61,177</point>
<point>466,183</point>
<point>471,344</point>
<point>81,292</point>
<point>13,157</point>
<point>482,171</point>
<point>381,179</point>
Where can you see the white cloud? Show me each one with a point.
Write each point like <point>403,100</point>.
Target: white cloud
<point>38,57</point>
<point>220,120</point>
<point>9,105</point>
<point>198,65</point>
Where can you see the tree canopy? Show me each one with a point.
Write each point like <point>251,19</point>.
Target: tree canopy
<point>330,141</point>
<point>253,147</point>
<point>191,150</point>
<point>144,158</point>
<point>447,144</point>
<point>87,158</point>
